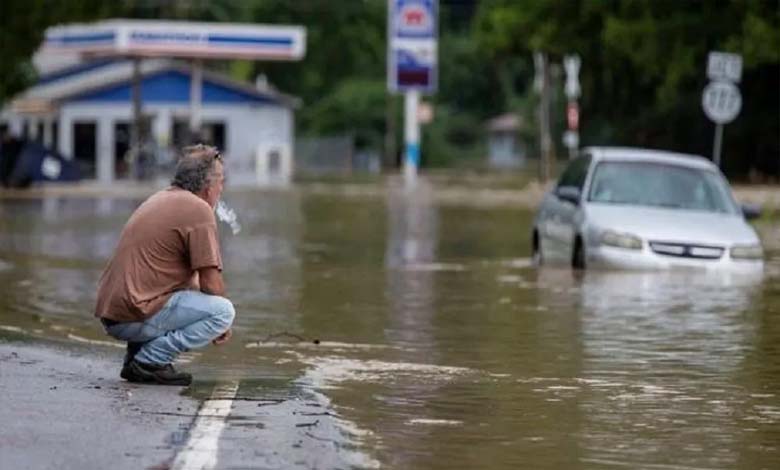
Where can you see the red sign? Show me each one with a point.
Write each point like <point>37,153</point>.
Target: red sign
<point>414,17</point>
<point>573,116</point>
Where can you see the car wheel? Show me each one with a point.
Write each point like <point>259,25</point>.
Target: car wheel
<point>536,249</point>
<point>578,257</point>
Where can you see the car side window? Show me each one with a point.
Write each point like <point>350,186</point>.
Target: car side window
<point>576,172</point>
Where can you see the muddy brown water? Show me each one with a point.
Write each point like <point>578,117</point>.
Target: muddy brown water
<point>438,345</point>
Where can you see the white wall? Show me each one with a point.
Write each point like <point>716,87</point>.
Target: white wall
<point>246,131</point>
<point>13,120</point>
<point>247,126</point>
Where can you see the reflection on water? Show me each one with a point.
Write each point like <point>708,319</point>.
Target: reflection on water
<point>699,318</point>
<point>420,336</point>
<point>663,363</point>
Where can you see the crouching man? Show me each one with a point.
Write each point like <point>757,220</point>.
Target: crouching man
<point>162,290</point>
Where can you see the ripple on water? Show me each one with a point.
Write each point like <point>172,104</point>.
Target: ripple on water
<point>519,263</point>
<point>435,422</point>
<point>12,329</point>
<point>334,346</point>
<point>433,267</point>
<point>329,372</point>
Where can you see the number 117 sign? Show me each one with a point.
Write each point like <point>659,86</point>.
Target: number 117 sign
<point>412,45</point>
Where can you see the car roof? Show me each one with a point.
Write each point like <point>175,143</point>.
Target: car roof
<point>633,154</point>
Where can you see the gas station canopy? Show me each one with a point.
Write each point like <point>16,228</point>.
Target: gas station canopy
<point>142,38</point>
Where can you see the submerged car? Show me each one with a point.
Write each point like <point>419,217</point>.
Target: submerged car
<point>633,208</point>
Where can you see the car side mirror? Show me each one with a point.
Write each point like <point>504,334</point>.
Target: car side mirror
<point>751,211</point>
<point>569,194</point>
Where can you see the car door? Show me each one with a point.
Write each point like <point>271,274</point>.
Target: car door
<point>563,206</point>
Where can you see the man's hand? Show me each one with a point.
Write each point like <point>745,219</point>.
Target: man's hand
<point>195,281</point>
<point>211,281</point>
<point>223,338</point>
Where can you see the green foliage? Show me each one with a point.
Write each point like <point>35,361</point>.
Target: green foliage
<point>342,78</point>
<point>22,26</point>
<point>644,67</point>
<point>344,41</point>
<point>642,74</point>
<point>356,107</point>
<point>452,138</point>
<point>466,84</point>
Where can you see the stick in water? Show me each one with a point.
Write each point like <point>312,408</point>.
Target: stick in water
<point>291,335</point>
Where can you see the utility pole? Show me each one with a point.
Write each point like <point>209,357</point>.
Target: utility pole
<point>542,85</point>
<point>390,157</point>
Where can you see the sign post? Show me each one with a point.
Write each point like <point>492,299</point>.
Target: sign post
<point>721,99</point>
<point>571,138</point>
<point>412,67</point>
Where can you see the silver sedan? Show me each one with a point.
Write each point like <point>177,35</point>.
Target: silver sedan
<point>644,209</point>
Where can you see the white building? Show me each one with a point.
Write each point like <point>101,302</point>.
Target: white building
<point>85,112</point>
<point>505,148</point>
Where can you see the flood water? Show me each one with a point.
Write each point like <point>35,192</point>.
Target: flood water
<point>422,337</point>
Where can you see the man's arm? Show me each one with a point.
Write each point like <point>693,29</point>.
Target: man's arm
<point>211,281</point>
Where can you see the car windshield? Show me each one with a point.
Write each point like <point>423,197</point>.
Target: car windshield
<point>660,185</point>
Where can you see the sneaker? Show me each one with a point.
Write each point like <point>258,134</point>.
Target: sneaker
<point>132,350</point>
<point>137,372</point>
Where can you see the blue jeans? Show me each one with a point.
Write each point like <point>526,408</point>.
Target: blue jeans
<point>190,319</point>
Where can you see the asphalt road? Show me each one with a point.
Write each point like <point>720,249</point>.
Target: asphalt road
<point>64,409</point>
<point>63,406</point>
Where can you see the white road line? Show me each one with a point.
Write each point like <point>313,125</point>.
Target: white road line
<point>200,452</point>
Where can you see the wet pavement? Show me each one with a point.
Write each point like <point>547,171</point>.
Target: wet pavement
<point>62,407</point>
<point>403,333</point>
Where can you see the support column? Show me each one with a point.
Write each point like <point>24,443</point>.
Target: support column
<point>47,131</point>
<point>104,158</point>
<point>196,97</point>
<point>15,126</point>
<point>162,130</point>
<point>162,126</point>
<point>136,130</point>
<point>32,126</point>
<point>65,138</point>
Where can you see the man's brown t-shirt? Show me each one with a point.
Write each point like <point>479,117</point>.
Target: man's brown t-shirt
<point>169,237</point>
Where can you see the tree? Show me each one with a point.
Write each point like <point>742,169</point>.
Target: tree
<point>356,107</point>
<point>643,67</point>
<point>22,26</point>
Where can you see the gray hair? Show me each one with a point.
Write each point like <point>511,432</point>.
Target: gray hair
<point>195,167</point>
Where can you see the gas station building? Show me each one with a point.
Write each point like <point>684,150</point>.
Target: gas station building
<point>86,108</point>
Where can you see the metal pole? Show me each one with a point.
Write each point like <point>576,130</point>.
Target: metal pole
<point>553,77</point>
<point>136,129</point>
<point>412,137</point>
<point>196,96</point>
<point>544,121</point>
<point>572,151</point>
<point>390,157</point>
<point>717,144</point>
